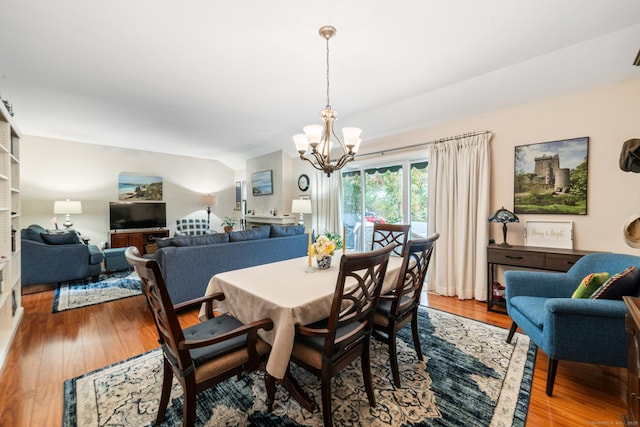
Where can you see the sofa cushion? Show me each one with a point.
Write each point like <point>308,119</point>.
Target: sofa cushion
<point>590,284</point>
<point>181,241</point>
<point>251,234</point>
<point>31,234</point>
<point>619,285</point>
<point>68,238</point>
<point>205,239</point>
<point>286,230</point>
<point>531,307</point>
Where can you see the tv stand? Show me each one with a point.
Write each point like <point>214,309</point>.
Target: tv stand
<point>137,238</point>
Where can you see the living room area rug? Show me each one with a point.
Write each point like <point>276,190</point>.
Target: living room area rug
<point>109,287</point>
<point>470,376</point>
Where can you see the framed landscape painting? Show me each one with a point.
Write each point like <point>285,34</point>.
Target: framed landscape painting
<point>551,177</point>
<point>262,183</point>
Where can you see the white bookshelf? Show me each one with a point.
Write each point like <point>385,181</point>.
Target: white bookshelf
<point>11,310</point>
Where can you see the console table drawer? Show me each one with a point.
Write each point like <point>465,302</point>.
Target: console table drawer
<point>516,258</point>
<point>561,262</point>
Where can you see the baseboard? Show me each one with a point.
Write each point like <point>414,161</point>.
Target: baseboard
<point>32,289</point>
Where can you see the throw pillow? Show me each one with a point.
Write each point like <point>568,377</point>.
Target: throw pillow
<point>590,284</point>
<point>286,230</point>
<point>251,234</point>
<point>619,285</point>
<point>69,238</point>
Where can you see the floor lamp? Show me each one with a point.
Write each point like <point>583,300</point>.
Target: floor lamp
<point>208,200</point>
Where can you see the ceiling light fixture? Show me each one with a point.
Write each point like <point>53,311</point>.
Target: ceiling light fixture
<point>319,136</point>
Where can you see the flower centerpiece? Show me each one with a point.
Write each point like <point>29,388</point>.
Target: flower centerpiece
<point>324,248</point>
<point>228,223</point>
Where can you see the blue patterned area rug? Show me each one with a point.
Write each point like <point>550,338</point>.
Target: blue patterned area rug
<point>111,287</point>
<point>470,377</point>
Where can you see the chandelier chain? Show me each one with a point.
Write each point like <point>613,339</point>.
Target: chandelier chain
<point>328,99</point>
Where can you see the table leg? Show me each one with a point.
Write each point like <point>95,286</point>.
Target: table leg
<point>293,388</point>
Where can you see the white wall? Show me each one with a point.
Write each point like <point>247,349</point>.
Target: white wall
<point>56,170</point>
<point>608,115</point>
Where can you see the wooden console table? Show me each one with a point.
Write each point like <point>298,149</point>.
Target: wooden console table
<point>138,238</point>
<point>551,259</point>
<point>632,324</point>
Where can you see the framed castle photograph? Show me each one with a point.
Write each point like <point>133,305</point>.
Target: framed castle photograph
<point>551,177</point>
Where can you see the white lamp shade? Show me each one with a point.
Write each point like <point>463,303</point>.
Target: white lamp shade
<point>67,207</point>
<point>351,136</point>
<point>301,142</point>
<point>301,206</point>
<point>313,133</point>
<point>208,200</point>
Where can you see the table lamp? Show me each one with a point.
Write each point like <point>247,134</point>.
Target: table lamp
<point>67,207</point>
<point>504,216</point>
<point>301,206</point>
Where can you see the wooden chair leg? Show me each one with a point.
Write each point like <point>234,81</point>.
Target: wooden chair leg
<point>393,359</point>
<point>326,400</point>
<point>270,385</point>
<point>416,336</point>
<point>365,361</point>
<point>551,375</point>
<point>189,408</point>
<point>512,332</point>
<point>167,379</point>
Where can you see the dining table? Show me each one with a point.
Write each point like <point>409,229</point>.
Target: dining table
<point>288,292</point>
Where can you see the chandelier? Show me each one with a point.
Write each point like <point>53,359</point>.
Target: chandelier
<point>319,137</point>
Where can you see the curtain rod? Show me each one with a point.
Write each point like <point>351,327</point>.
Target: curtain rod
<point>423,144</point>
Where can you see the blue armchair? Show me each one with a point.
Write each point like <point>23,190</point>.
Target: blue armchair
<point>579,330</point>
<point>52,258</point>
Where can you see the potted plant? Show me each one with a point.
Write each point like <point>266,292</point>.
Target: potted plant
<point>228,223</point>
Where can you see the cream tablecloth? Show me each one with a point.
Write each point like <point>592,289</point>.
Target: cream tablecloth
<point>285,293</point>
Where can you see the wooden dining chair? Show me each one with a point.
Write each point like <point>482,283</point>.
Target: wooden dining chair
<point>201,355</point>
<point>388,234</point>
<point>399,307</point>
<point>326,347</point>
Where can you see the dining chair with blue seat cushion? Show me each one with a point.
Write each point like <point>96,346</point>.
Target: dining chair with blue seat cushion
<point>583,330</point>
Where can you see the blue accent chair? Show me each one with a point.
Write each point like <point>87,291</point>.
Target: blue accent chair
<point>53,258</point>
<point>579,330</point>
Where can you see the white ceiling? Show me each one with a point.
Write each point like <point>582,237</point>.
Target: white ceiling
<point>231,80</point>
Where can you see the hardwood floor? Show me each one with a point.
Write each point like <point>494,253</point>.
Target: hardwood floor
<point>50,348</point>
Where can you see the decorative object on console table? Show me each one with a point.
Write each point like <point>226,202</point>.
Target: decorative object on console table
<point>504,216</point>
<point>67,207</point>
<point>301,207</point>
<point>551,259</point>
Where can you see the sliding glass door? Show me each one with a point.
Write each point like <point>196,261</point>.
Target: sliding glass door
<point>392,194</point>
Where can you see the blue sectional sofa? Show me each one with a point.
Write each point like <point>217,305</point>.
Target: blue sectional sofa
<point>189,262</point>
<point>57,257</point>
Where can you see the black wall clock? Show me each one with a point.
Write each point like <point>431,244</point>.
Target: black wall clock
<point>303,182</point>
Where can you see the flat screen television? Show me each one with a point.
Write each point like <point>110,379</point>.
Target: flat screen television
<point>128,215</point>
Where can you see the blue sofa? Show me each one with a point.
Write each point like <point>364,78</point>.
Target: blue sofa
<point>579,330</point>
<point>56,257</point>
<point>188,262</point>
